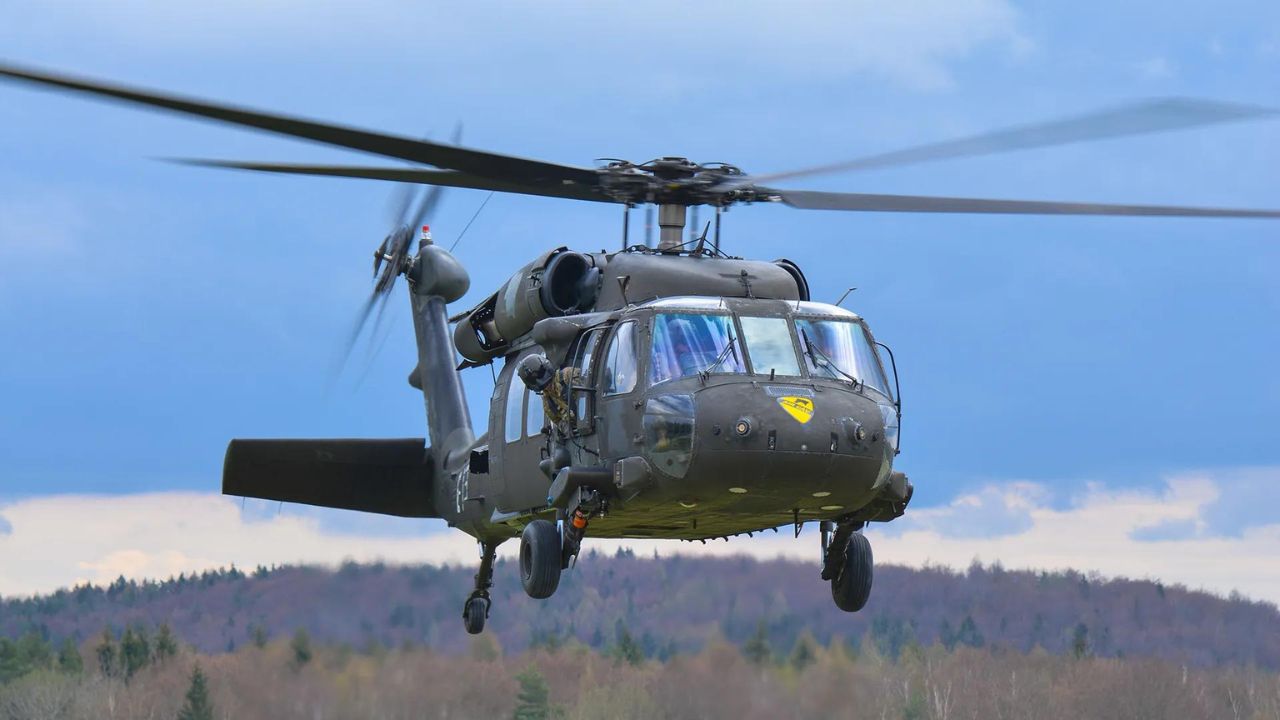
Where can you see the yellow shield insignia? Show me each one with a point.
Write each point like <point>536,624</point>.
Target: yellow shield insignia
<point>800,408</point>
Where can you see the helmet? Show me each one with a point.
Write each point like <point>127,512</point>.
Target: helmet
<point>535,371</point>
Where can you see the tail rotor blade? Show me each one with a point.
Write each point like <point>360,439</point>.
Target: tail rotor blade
<point>432,197</point>
<point>401,200</point>
<point>428,205</point>
<point>340,363</point>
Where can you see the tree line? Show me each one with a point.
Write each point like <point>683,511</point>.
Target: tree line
<point>672,606</point>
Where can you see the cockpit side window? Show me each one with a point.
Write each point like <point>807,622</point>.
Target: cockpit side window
<point>869,358</point>
<point>620,364</point>
<point>535,415</point>
<point>688,343</point>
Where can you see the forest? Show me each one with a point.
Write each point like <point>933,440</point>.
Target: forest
<point>633,637</point>
<point>151,674</point>
<point>672,606</point>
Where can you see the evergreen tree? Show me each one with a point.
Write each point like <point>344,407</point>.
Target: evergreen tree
<point>30,653</point>
<point>969,633</point>
<point>802,655</point>
<point>627,649</point>
<point>757,648</point>
<point>198,705</point>
<point>301,646</point>
<point>534,700</point>
<point>892,635</point>
<point>947,635</point>
<point>69,660</point>
<point>1080,641</point>
<point>135,651</point>
<point>166,643</point>
<point>258,634</point>
<point>108,657</point>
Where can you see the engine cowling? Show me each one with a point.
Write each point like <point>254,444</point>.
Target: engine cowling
<point>559,282</point>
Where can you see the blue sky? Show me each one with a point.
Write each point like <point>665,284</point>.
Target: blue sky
<point>150,312</point>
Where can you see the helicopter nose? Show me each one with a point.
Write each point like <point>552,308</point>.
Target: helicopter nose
<point>793,419</point>
<point>802,446</point>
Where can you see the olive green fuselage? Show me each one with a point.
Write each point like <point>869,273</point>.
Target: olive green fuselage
<point>724,450</point>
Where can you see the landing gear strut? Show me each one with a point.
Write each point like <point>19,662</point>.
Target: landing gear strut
<point>587,504</point>
<point>847,563</point>
<point>476,609</point>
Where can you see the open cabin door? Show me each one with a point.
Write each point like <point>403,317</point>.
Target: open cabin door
<point>517,443</point>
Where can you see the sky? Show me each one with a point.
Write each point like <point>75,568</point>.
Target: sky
<point>1094,393</point>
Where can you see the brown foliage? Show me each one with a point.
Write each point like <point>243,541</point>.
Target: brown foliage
<point>926,683</point>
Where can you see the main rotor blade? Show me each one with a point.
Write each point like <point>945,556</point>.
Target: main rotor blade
<point>431,198</point>
<point>1141,118</point>
<point>812,200</point>
<point>476,162</point>
<point>449,178</point>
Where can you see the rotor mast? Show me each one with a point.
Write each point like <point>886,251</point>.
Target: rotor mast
<point>676,175</point>
<point>671,220</point>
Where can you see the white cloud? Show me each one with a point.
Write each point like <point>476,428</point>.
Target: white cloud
<point>1119,532</point>
<point>992,511</point>
<point>910,41</point>
<point>56,541</point>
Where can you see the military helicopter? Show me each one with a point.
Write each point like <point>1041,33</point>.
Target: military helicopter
<point>656,391</point>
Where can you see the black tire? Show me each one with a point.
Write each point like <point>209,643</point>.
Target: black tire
<point>474,614</point>
<point>852,587</point>
<point>540,559</point>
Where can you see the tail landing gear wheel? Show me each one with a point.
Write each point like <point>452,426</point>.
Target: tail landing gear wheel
<point>540,559</point>
<point>474,614</point>
<point>476,609</point>
<point>851,588</point>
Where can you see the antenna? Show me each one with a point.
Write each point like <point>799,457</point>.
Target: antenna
<point>623,281</point>
<point>626,225</point>
<point>715,245</point>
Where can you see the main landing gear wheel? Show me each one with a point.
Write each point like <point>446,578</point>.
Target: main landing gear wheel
<point>474,613</point>
<point>540,559</point>
<point>851,588</point>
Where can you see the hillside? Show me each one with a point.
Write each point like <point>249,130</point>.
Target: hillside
<point>675,606</point>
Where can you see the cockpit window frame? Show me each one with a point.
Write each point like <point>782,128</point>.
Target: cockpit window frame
<point>583,392</point>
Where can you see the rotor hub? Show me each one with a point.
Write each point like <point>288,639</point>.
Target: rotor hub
<point>673,181</point>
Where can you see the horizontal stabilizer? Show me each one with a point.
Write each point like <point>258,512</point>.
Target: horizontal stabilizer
<point>391,477</point>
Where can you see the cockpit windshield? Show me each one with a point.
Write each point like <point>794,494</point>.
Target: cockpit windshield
<point>689,343</point>
<point>840,349</point>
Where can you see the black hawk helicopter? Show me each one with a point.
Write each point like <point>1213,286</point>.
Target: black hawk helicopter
<point>667,391</point>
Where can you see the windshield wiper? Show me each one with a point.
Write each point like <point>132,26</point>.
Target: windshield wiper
<point>813,352</point>
<point>706,373</point>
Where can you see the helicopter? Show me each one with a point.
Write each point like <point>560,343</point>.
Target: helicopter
<point>662,390</point>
